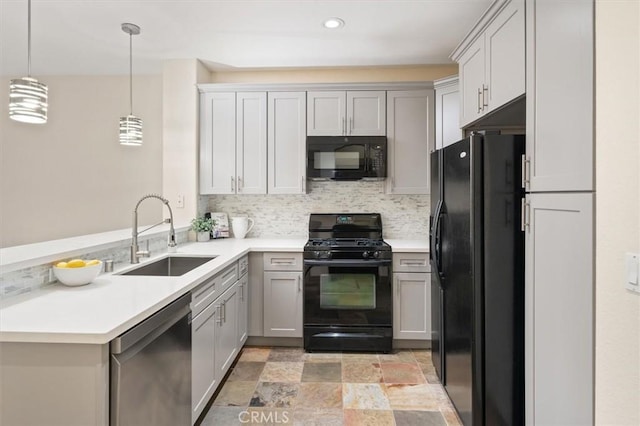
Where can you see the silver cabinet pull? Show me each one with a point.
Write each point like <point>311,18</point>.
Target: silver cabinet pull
<point>232,184</point>
<point>239,184</point>
<point>219,320</point>
<point>344,126</point>
<point>299,284</point>
<point>242,291</point>
<point>351,125</point>
<point>303,183</point>
<point>224,311</point>
<point>526,172</point>
<point>485,102</point>
<point>397,287</point>
<point>479,95</point>
<point>525,216</point>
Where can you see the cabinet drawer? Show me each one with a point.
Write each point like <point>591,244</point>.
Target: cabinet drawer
<point>243,266</point>
<point>411,262</point>
<point>203,295</point>
<point>228,276</point>
<point>283,261</point>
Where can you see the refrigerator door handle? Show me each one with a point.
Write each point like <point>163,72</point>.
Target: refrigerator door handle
<point>437,246</point>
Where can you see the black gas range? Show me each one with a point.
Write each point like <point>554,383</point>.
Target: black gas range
<point>347,284</point>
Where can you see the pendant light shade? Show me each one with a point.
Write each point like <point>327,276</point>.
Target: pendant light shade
<point>28,98</point>
<point>131,126</point>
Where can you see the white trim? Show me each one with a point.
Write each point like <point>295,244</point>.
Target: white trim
<point>441,83</point>
<point>487,17</point>
<point>301,87</point>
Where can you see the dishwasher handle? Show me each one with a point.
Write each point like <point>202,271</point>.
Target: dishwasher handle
<point>163,319</point>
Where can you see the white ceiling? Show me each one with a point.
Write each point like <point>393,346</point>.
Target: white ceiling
<point>71,37</point>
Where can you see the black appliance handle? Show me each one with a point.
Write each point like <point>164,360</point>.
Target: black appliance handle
<point>437,243</point>
<point>347,262</point>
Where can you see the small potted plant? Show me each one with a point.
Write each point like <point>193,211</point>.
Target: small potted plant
<point>202,226</point>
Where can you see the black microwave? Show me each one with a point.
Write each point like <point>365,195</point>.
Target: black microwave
<point>346,157</point>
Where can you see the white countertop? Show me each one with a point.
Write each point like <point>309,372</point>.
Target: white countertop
<point>111,304</point>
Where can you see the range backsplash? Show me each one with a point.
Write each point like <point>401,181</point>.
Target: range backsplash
<point>282,216</point>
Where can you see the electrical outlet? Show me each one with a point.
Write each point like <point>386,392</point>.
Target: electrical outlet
<point>632,264</point>
<point>180,202</point>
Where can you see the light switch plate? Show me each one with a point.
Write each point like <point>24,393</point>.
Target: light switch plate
<point>632,272</point>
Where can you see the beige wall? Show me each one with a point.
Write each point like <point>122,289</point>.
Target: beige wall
<point>70,176</point>
<point>337,75</point>
<point>180,131</point>
<point>617,210</point>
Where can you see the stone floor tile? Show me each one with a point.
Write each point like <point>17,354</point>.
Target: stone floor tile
<point>419,418</point>
<point>422,356</point>
<point>323,357</point>
<point>361,372</point>
<point>451,417</point>
<point>265,417</point>
<point>368,418</point>
<point>275,395</point>
<point>318,417</point>
<point>254,353</point>
<point>359,357</point>
<point>398,356</point>
<point>322,372</point>
<point>411,397</point>
<point>222,415</point>
<point>235,394</point>
<point>287,354</point>
<point>246,371</point>
<point>319,395</point>
<point>282,372</point>
<point>364,396</point>
<point>402,372</point>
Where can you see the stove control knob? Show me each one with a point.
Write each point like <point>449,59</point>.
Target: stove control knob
<point>316,254</point>
<point>365,254</point>
<point>376,254</point>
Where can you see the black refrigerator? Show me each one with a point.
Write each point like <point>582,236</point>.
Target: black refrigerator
<point>477,279</point>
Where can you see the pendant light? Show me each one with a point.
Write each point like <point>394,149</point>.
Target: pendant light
<point>27,96</point>
<point>131,126</point>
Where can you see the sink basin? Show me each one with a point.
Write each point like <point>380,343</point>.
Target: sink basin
<point>171,266</point>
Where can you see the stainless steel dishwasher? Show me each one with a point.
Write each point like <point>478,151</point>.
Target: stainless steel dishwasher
<point>151,370</point>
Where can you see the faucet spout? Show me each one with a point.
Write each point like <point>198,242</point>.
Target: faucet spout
<point>135,252</point>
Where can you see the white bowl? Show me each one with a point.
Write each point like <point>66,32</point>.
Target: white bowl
<point>77,276</point>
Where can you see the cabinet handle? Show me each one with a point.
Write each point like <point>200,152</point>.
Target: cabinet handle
<point>397,286</point>
<point>224,311</point>
<point>299,284</point>
<point>485,102</point>
<point>344,126</point>
<point>303,184</point>
<point>479,95</point>
<point>350,125</point>
<point>525,216</point>
<point>526,172</point>
<point>219,320</point>
<point>241,291</point>
<point>413,263</point>
<point>232,184</point>
<point>239,184</point>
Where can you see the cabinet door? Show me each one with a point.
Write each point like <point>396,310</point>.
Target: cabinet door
<point>412,306</point>
<point>286,143</point>
<point>203,368</point>
<point>410,133</point>
<point>560,63</point>
<point>251,142</point>
<point>472,69</point>
<point>243,310</point>
<point>326,113</point>
<point>283,304</point>
<point>447,125</point>
<point>505,56</point>
<point>218,143</point>
<point>227,332</point>
<point>559,309</point>
<point>366,113</point>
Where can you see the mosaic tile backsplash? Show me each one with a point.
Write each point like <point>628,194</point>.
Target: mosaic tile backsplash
<point>403,216</point>
<point>30,279</point>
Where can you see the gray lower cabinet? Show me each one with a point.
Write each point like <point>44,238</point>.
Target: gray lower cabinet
<point>411,296</point>
<point>243,310</point>
<point>227,332</point>
<point>283,294</point>
<point>559,320</point>
<point>203,361</point>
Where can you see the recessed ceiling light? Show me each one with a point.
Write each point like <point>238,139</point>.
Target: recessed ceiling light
<point>333,23</point>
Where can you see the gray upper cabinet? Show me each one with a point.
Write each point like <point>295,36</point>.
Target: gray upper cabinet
<point>560,63</point>
<point>447,125</point>
<point>286,143</point>
<point>233,143</point>
<point>410,134</point>
<point>491,61</point>
<point>346,113</point>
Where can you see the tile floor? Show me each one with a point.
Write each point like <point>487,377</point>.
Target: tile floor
<point>276,386</point>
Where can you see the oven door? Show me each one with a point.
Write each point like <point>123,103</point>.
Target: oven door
<point>353,293</point>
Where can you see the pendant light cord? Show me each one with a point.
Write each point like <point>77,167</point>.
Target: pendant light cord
<point>29,39</point>
<point>130,73</point>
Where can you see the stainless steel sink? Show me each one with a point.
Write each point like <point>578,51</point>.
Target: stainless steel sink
<point>171,266</point>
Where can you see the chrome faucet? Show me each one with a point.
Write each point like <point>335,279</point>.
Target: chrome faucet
<point>137,254</point>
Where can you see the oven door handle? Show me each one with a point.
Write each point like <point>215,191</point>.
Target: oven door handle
<point>347,262</point>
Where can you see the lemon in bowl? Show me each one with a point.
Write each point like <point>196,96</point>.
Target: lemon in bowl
<point>77,272</point>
